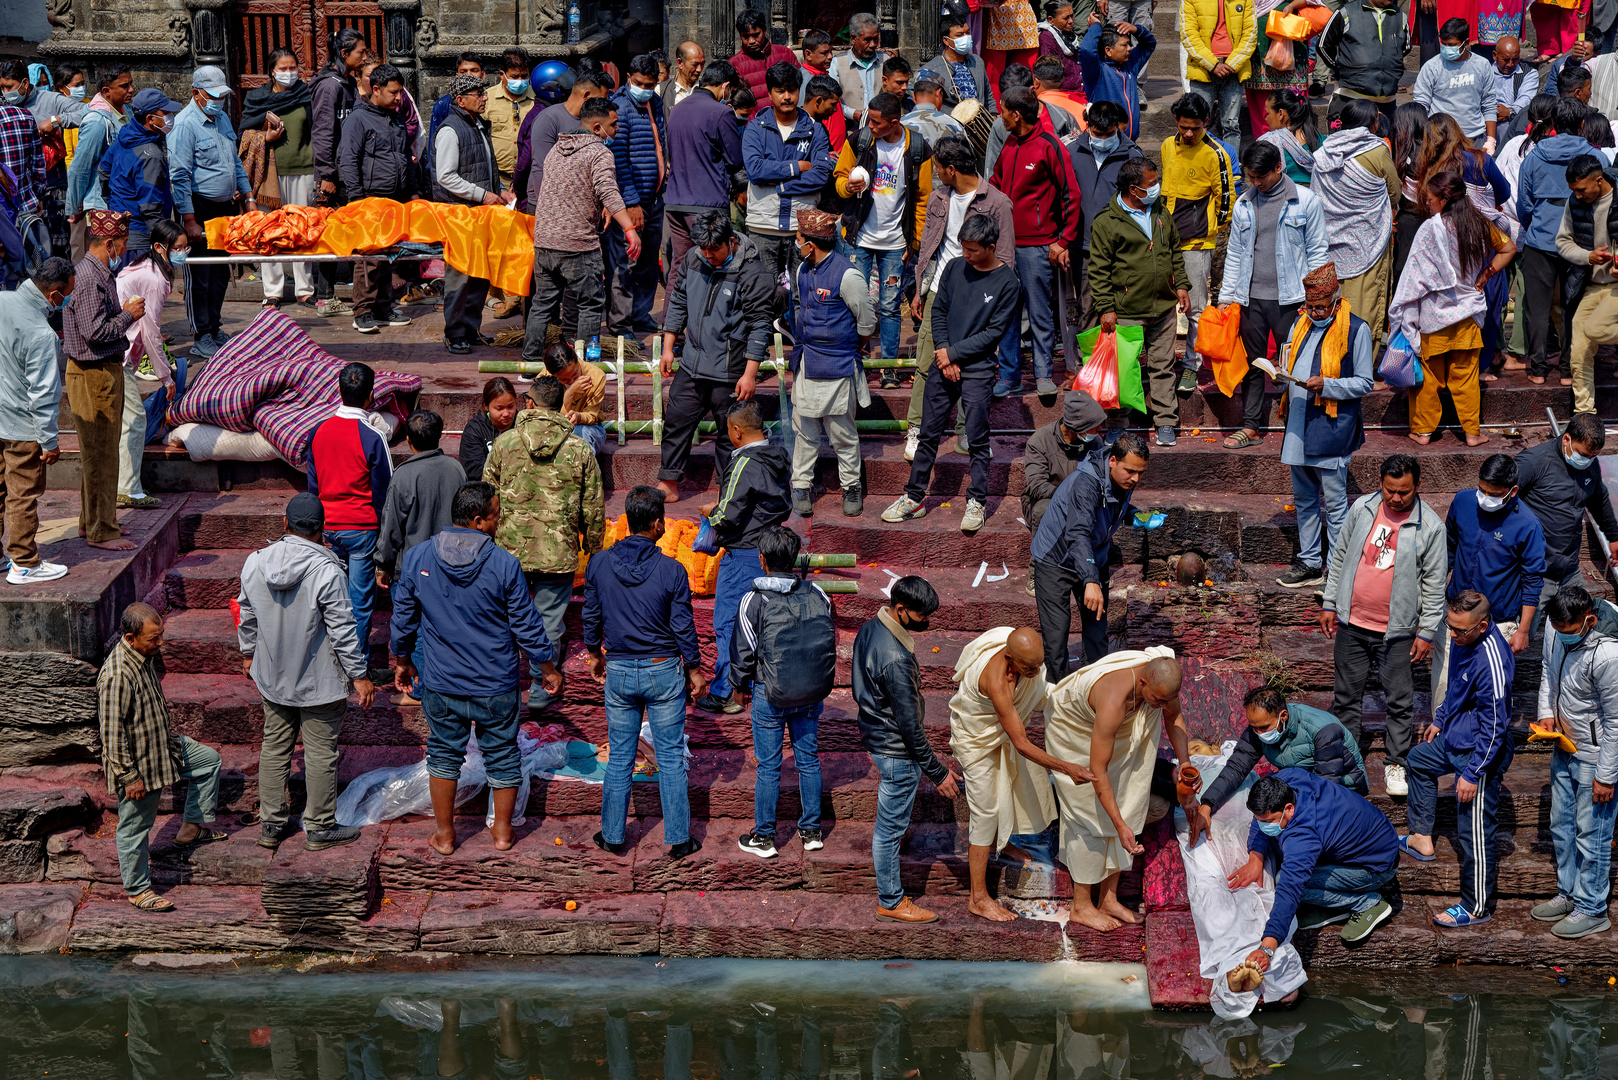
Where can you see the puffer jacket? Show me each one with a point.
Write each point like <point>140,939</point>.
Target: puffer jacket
<point>1197,22</point>
<point>1311,739</point>
<point>725,312</point>
<point>1579,687</point>
<point>331,99</point>
<point>1416,602</point>
<point>1542,188</point>
<point>297,624</point>
<point>642,133</point>
<point>373,155</point>
<point>887,690</point>
<point>550,493</point>
<point>135,179</point>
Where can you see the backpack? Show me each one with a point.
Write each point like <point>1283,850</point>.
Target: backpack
<point>797,647</point>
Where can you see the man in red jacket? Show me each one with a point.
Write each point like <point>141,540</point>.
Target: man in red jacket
<point>349,469</point>
<point>1035,172</point>
<point>757,55</point>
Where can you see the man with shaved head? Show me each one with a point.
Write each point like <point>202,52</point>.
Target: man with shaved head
<point>1515,83</point>
<point>1008,788</point>
<point>1108,717</point>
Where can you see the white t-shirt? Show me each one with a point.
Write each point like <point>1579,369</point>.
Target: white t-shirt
<point>883,230</point>
<point>951,246</point>
<point>787,130</point>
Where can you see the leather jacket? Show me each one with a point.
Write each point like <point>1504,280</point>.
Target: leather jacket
<point>887,689</point>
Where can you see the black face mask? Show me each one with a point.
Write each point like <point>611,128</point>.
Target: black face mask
<point>914,624</point>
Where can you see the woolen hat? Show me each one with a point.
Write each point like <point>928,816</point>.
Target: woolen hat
<point>107,224</point>
<point>305,513</point>
<point>1082,413</point>
<point>465,84</point>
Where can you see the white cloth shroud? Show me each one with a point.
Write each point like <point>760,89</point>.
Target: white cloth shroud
<point>1231,924</point>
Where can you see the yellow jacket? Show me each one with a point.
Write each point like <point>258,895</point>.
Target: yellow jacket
<point>1199,189</point>
<point>918,185</point>
<point>505,115</point>
<point>1197,21</point>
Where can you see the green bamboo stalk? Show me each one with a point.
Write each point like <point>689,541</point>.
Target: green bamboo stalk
<point>821,562</point>
<point>835,586</point>
<point>657,390</point>
<point>622,437</point>
<point>641,367</point>
<point>866,427</point>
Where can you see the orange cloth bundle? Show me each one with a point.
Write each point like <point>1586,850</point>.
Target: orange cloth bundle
<point>1536,732</point>
<point>489,242</point>
<point>702,571</point>
<point>1317,14</point>
<point>1291,27</point>
<point>1219,341</point>
<point>289,229</point>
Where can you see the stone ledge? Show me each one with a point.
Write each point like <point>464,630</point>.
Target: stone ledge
<point>540,924</point>
<point>339,881</point>
<point>36,918</point>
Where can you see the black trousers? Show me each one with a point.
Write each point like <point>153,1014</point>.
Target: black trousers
<point>1354,652</point>
<point>1542,275</point>
<point>690,399</point>
<point>1261,318</point>
<point>205,286</point>
<point>1056,590</point>
<point>937,410</point>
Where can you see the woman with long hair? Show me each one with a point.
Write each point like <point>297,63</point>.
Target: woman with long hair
<point>499,413</point>
<point>1409,131</point>
<point>281,107</point>
<point>1597,131</point>
<point>1358,189</point>
<point>150,276</point>
<point>1292,130</point>
<point>1441,303</point>
<point>331,98</point>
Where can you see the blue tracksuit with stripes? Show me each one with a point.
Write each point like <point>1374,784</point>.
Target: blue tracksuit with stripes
<point>1474,743</point>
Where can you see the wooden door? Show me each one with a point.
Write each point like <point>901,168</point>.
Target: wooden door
<point>262,26</point>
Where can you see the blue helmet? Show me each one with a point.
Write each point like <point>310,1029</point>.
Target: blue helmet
<point>552,81</point>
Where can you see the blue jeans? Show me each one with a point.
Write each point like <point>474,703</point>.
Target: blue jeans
<point>656,689</point>
<point>1226,95</point>
<point>199,765</point>
<point>357,548</point>
<point>1314,490</point>
<point>768,726</point>
<point>1581,829</point>
<point>1474,835</point>
<point>1039,300</point>
<point>594,434</point>
<point>890,280</point>
<point>895,798</point>
<point>736,573</point>
<point>450,719</point>
<point>1338,887</point>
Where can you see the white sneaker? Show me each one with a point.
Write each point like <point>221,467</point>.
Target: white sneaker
<point>912,440</point>
<point>1393,780</point>
<point>903,509</point>
<point>972,521</point>
<point>32,575</point>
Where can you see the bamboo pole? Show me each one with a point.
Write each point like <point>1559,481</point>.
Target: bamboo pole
<point>787,436</point>
<point>837,586</point>
<point>641,367</point>
<point>623,437</point>
<point>657,390</point>
<point>707,427</point>
<point>822,562</point>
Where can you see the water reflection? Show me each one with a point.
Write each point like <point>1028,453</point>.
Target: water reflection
<point>584,1019</point>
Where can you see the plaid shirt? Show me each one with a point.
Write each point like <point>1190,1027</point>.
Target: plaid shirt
<point>137,740</point>
<point>93,323</point>
<point>22,151</point>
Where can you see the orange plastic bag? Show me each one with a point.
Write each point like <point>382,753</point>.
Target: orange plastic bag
<point>1317,14</point>
<point>1292,27</point>
<point>1219,341</point>
<point>1099,375</point>
<point>1279,56</point>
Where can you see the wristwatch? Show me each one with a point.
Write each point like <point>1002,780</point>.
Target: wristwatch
<point>1267,951</point>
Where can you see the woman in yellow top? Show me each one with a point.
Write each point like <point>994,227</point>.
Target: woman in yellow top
<point>1440,302</point>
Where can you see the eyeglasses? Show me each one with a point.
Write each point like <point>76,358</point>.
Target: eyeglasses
<point>1467,631</point>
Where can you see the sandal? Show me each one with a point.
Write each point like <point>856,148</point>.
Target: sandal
<point>150,901</point>
<point>1241,441</point>
<point>1459,917</point>
<point>1406,849</point>
<point>204,836</point>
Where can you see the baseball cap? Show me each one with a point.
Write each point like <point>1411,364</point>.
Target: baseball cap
<point>212,80</point>
<point>152,100</point>
<point>305,514</point>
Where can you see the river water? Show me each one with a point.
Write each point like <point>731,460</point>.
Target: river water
<point>644,1019</point>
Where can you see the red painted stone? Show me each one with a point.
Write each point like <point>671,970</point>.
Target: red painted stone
<point>395,926</point>
<point>540,924</point>
<point>205,918</point>
<point>79,856</point>
<point>718,865</point>
<point>836,926</point>
<point>1163,879</point>
<point>747,924</point>
<point>1173,962</point>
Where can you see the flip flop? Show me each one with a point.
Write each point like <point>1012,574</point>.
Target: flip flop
<point>150,901</point>
<point>1461,916</point>
<point>204,836</point>
<point>1241,441</point>
<point>1406,849</point>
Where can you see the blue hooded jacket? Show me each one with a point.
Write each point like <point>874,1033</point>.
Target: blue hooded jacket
<point>135,178</point>
<point>468,596</point>
<point>1542,190</point>
<point>1106,81</point>
<point>639,601</point>
<point>1499,553</point>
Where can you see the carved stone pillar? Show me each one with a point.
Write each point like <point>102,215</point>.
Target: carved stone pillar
<point>404,30</point>
<point>206,31</point>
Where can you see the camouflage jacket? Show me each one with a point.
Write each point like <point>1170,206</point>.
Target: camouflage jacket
<point>550,493</point>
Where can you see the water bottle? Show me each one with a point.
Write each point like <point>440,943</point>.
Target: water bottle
<point>592,352</point>
<point>574,18</point>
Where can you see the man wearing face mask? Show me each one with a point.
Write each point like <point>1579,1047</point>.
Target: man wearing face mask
<point>1098,154</point>
<point>1560,481</point>
<point>209,182</point>
<point>1053,452</point>
<point>1288,735</point>
<point>1329,355</point>
<point>135,171</point>
<point>641,156</point>
<point>1460,83</point>
<point>510,101</point>
<point>30,402</point>
<point>1578,697</point>
<point>1470,736</point>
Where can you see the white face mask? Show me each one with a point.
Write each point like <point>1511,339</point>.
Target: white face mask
<point>286,78</point>
<point>1271,736</point>
<point>76,93</point>
<point>1491,503</point>
<point>962,44</point>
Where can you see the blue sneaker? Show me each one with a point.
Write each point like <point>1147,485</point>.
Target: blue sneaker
<point>204,347</point>
<point>1004,389</point>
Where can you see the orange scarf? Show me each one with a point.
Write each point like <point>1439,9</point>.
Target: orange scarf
<point>1333,347</point>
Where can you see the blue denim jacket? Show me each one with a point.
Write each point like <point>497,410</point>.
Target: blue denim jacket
<point>203,159</point>
<point>1300,245</point>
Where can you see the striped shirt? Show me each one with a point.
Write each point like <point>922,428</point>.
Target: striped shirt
<point>137,740</point>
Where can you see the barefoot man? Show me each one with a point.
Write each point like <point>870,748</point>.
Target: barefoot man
<point>1008,784</point>
<point>1109,715</point>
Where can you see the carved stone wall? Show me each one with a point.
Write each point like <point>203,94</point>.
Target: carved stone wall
<point>908,25</point>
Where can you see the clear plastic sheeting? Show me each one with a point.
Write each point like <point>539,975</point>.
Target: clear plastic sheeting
<point>1229,923</point>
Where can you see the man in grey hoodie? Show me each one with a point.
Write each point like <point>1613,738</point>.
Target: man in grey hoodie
<point>299,647</point>
<point>1578,697</point>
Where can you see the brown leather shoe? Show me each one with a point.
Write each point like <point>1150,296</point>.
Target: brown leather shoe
<point>906,911</point>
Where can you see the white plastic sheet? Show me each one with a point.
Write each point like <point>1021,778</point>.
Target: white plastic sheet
<point>1231,924</point>
<point>384,794</point>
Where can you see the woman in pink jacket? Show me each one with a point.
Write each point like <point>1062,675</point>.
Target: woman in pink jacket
<point>150,275</point>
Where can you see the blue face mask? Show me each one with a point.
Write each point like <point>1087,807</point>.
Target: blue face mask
<point>1107,145</point>
<point>1451,52</point>
<point>177,258</point>
<point>1149,195</point>
<point>213,108</point>
<point>640,95</point>
<point>1577,460</point>
<point>13,97</point>
<point>1270,737</point>
<point>1269,828</point>
<point>1570,640</point>
<point>58,306</point>
<point>518,87</point>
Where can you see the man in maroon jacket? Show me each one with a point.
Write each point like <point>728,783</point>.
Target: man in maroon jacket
<point>1035,172</point>
<point>757,55</point>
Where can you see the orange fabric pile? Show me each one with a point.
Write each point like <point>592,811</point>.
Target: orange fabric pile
<point>701,570</point>
<point>489,242</point>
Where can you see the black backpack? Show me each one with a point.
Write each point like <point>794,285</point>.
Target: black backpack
<point>797,647</point>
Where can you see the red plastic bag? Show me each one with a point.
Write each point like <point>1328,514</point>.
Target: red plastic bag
<point>1099,375</point>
